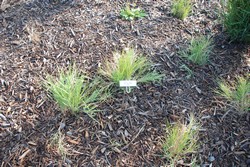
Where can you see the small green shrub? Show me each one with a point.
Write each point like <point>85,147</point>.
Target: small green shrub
<point>181,8</point>
<point>73,91</point>
<point>128,65</point>
<point>181,140</point>
<point>238,94</point>
<point>237,20</point>
<point>132,13</point>
<point>199,50</point>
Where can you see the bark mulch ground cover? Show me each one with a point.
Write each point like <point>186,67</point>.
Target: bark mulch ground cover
<point>39,36</point>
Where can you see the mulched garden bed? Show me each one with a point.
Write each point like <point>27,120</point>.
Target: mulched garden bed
<point>39,36</point>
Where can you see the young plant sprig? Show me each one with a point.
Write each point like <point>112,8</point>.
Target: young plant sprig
<point>181,8</point>
<point>128,65</point>
<point>199,50</point>
<point>57,143</point>
<point>75,92</point>
<point>181,139</point>
<point>129,13</point>
<point>238,94</point>
<point>188,70</point>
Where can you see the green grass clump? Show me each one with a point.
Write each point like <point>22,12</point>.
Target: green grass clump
<point>181,140</point>
<point>75,92</point>
<point>132,13</point>
<point>181,8</point>
<point>237,93</point>
<point>237,20</point>
<point>199,50</point>
<point>128,65</point>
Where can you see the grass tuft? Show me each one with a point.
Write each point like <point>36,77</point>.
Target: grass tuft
<point>57,142</point>
<point>181,140</point>
<point>181,8</point>
<point>128,65</point>
<point>199,50</point>
<point>237,22</point>
<point>75,92</point>
<point>238,94</point>
<point>132,13</point>
<point>188,70</point>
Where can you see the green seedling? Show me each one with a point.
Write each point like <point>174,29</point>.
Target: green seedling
<point>188,70</point>
<point>181,8</point>
<point>128,65</point>
<point>181,139</point>
<point>57,143</point>
<point>132,13</point>
<point>237,93</point>
<point>75,92</point>
<point>199,50</point>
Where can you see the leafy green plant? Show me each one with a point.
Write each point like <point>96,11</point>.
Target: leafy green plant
<point>181,8</point>
<point>199,50</point>
<point>73,91</point>
<point>181,139</point>
<point>237,93</point>
<point>236,20</point>
<point>132,13</point>
<point>128,65</point>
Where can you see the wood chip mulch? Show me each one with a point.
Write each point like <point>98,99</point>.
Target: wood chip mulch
<point>39,36</point>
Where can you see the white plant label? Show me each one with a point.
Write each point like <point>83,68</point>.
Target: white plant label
<point>128,83</point>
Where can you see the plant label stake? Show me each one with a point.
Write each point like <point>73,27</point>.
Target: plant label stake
<point>127,84</point>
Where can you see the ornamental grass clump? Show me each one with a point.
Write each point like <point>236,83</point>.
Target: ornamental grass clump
<point>128,65</point>
<point>237,20</point>
<point>75,92</point>
<point>199,50</point>
<point>181,8</point>
<point>181,140</point>
<point>237,93</point>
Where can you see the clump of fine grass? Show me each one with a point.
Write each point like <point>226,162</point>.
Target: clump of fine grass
<point>57,143</point>
<point>181,139</point>
<point>74,91</point>
<point>237,93</point>
<point>236,20</point>
<point>129,13</point>
<point>181,8</point>
<point>199,50</point>
<point>128,65</point>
